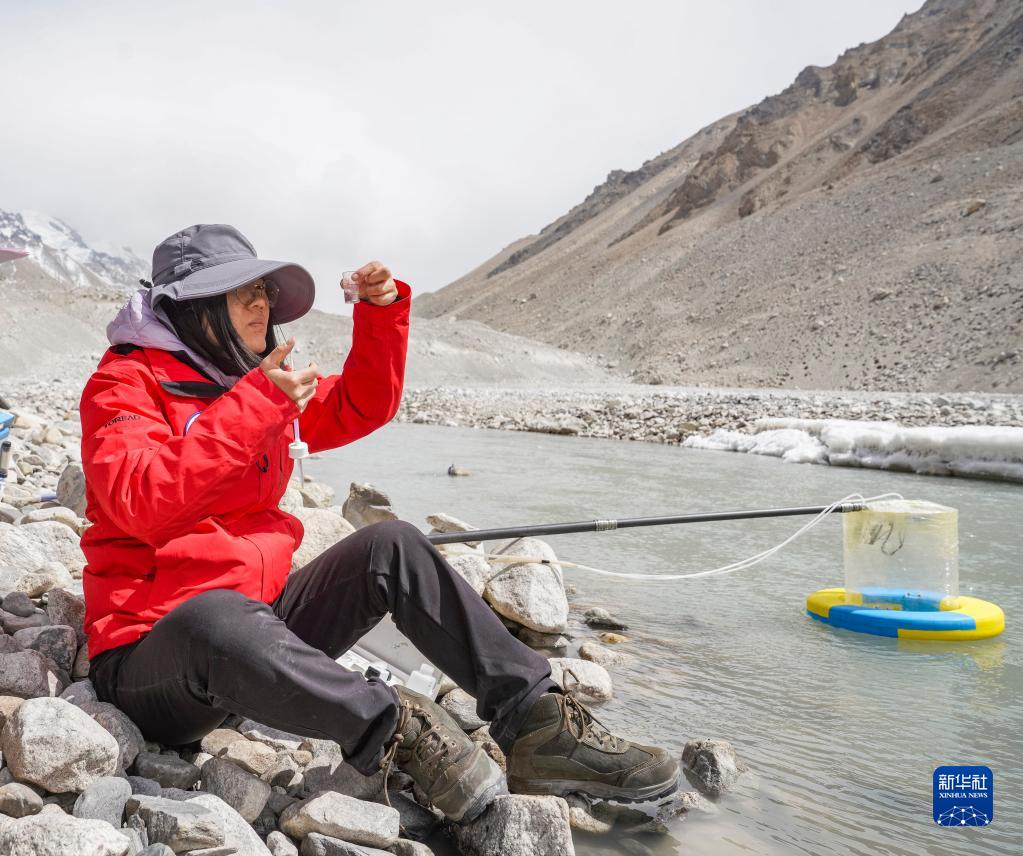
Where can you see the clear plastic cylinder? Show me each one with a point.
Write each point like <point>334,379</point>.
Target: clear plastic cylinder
<point>902,554</point>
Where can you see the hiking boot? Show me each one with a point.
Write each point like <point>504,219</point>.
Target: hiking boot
<point>561,749</point>
<point>456,774</point>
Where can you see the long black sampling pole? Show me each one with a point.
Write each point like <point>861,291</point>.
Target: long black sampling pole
<point>629,522</point>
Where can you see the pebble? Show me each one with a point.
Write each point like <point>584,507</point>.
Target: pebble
<point>51,743</point>
<point>462,708</point>
<point>589,681</point>
<point>181,825</point>
<point>53,833</point>
<point>245,793</point>
<point>169,770</point>
<point>515,825</point>
<point>338,816</point>
<point>711,765</point>
<point>104,799</point>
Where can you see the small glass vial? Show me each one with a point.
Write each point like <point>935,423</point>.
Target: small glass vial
<point>350,284</point>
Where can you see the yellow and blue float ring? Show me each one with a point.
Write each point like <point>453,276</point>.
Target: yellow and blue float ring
<point>907,615</point>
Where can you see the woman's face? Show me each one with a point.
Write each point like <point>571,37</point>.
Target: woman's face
<point>250,320</point>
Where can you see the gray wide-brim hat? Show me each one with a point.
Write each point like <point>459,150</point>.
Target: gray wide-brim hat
<point>210,259</point>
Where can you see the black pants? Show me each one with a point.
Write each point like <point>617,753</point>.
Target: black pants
<point>220,652</point>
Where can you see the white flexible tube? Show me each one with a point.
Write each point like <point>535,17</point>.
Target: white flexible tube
<point>724,569</point>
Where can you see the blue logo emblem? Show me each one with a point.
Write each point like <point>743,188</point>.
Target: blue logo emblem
<point>964,796</point>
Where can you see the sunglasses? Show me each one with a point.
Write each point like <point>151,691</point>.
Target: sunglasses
<point>252,291</point>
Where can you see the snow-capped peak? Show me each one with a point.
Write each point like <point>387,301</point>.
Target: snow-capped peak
<point>63,254</point>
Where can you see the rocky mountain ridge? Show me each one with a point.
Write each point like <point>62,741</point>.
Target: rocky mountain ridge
<point>859,230</point>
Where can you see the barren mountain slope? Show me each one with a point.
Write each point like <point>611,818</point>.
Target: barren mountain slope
<point>51,329</point>
<point>862,229</point>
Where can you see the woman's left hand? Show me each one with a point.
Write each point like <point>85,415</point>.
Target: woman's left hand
<point>376,284</point>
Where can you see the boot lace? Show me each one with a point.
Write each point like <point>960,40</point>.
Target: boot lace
<point>582,724</point>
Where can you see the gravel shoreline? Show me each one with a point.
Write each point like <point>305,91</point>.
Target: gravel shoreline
<point>671,415</point>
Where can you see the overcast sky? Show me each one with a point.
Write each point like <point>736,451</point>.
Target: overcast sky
<point>426,134</point>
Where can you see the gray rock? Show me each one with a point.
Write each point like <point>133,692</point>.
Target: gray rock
<point>404,847</point>
<point>169,770</point>
<point>80,668</point>
<point>104,799</point>
<point>127,734</point>
<point>272,737</point>
<point>711,765</point>
<point>444,523</point>
<point>51,743</point>
<point>12,623</point>
<point>589,681</point>
<point>157,850</point>
<point>30,547</point>
<point>20,604</point>
<point>529,593</point>
<point>338,816</point>
<point>601,619</point>
<point>145,787</point>
<point>18,800</point>
<point>180,825</point>
<point>219,739</point>
<point>56,641</point>
<point>475,570</point>
<point>62,607</point>
<point>597,653</point>
<point>516,825</point>
<point>254,757</point>
<point>244,792</point>
<point>316,495</point>
<point>280,845</point>
<point>284,771</point>
<point>56,514</point>
<point>367,505</point>
<point>66,800</point>
<point>462,708</point>
<point>316,844</point>
<point>59,834</point>
<point>597,818</point>
<point>8,513</point>
<point>280,799</point>
<point>534,639</point>
<point>265,822</point>
<point>8,704</point>
<point>80,692</point>
<point>50,576</point>
<point>136,829</point>
<point>237,833</point>
<point>326,773</point>
<point>7,644</point>
<point>416,822</point>
<point>71,489</point>
<point>214,851</point>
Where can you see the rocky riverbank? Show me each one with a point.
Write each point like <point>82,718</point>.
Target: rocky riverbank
<point>671,415</point>
<point>78,776</point>
<point>954,434</point>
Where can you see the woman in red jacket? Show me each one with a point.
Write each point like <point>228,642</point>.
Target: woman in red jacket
<point>190,608</point>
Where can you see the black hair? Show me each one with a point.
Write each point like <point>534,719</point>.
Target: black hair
<point>229,353</point>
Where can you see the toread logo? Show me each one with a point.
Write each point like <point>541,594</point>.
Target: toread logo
<point>191,419</point>
<point>964,796</point>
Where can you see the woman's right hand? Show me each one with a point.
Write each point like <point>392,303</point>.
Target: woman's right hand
<point>299,386</point>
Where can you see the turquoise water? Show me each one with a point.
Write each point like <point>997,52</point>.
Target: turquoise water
<point>842,731</point>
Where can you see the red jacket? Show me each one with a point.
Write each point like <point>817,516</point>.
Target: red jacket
<point>183,479</point>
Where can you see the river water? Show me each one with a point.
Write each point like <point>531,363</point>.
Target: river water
<point>841,731</point>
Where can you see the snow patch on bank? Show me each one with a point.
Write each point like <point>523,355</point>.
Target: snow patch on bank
<point>975,451</point>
